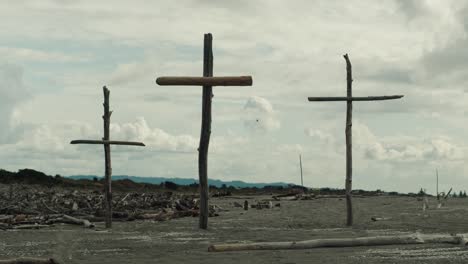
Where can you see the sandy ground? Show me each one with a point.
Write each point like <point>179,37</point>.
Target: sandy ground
<point>180,241</point>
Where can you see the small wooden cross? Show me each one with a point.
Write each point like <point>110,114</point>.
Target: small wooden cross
<point>349,113</point>
<point>107,154</point>
<point>207,81</point>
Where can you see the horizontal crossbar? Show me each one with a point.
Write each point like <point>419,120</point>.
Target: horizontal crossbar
<point>364,98</point>
<point>107,142</point>
<point>206,81</point>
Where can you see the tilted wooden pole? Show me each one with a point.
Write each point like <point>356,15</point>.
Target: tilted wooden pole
<point>348,130</point>
<point>207,81</point>
<point>107,155</point>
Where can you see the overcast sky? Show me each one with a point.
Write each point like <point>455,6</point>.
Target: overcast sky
<point>55,56</point>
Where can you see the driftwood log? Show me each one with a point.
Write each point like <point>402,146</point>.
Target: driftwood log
<point>33,226</point>
<point>375,219</point>
<point>416,238</point>
<point>29,261</point>
<point>442,201</point>
<point>74,220</point>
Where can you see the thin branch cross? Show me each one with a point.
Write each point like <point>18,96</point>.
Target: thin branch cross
<point>107,154</point>
<point>349,113</point>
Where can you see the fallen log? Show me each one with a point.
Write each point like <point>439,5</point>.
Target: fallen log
<point>236,204</point>
<point>4,226</point>
<point>375,219</point>
<point>78,221</point>
<point>416,238</point>
<point>31,226</point>
<point>29,261</point>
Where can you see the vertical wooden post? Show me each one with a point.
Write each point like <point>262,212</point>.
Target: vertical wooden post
<point>107,155</point>
<point>349,151</point>
<point>300,165</point>
<point>205,132</point>
<point>437,184</point>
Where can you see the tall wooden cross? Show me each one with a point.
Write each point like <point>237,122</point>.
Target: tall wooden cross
<point>107,155</point>
<point>349,113</point>
<point>207,81</point>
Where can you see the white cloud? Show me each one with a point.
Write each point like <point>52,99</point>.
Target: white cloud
<point>259,115</point>
<point>320,135</point>
<point>13,92</point>
<point>154,138</point>
<point>404,149</point>
<point>259,104</point>
<point>24,54</point>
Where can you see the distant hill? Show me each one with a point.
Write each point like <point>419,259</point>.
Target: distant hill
<point>131,183</point>
<point>182,181</point>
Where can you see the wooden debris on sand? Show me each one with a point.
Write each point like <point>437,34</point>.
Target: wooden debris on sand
<point>35,208</point>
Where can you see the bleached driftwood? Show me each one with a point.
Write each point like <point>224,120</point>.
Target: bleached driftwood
<point>34,226</point>
<point>29,261</point>
<point>416,238</point>
<point>442,201</point>
<point>425,204</point>
<point>375,219</point>
<point>77,221</point>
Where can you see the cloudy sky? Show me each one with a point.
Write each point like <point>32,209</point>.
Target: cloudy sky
<point>55,56</point>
